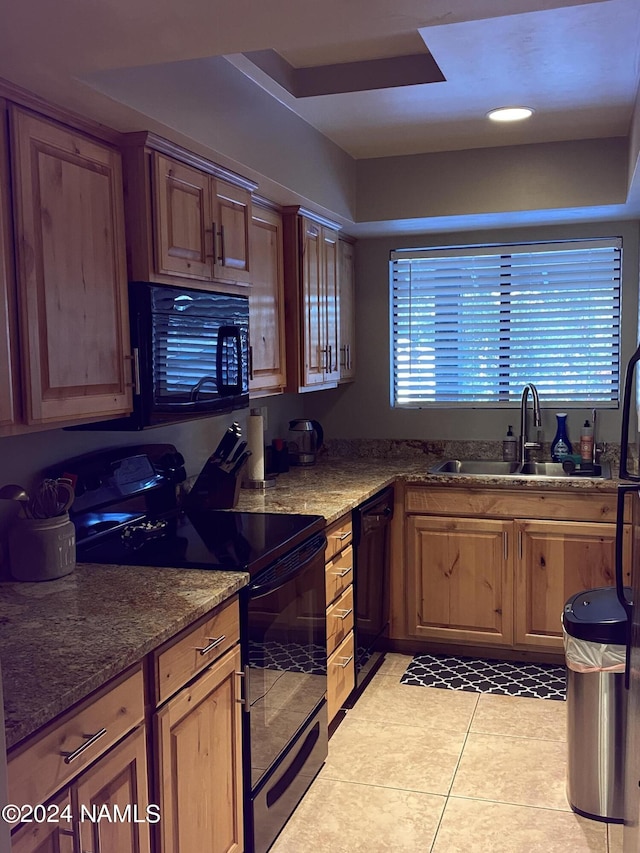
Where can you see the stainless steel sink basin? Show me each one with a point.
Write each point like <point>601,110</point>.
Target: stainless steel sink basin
<point>543,470</point>
<point>475,467</point>
<point>555,469</point>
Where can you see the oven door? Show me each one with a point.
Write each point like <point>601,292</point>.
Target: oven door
<point>285,652</point>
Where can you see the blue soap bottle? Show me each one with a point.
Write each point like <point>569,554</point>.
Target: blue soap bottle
<point>561,446</point>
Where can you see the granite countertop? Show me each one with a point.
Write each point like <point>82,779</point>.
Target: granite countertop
<point>336,485</point>
<point>60,640</point>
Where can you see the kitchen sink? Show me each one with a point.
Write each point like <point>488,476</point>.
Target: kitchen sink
<point>475,467</point>
<point>543,470</point>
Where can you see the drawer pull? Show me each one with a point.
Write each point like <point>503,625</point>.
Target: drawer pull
<point>215,641</point>
<point>342,614</point>
<point>91,739</point>
<point>344,662</point>
<point>341,536</point>
<point>342,572</point>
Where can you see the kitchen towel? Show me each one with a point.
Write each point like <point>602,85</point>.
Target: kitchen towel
<point>476,675</point>
<point>255,443</point>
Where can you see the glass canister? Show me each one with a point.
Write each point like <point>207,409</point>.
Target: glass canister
<point>561,446</point>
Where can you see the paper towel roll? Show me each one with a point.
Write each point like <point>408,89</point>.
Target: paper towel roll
<point>255,443</point>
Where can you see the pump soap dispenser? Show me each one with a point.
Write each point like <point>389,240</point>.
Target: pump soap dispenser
<point>509,447</point>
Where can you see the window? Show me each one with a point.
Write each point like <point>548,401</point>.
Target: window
<point>474,325</point>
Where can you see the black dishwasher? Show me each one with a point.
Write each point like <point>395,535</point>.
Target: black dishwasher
<point>372,545</point>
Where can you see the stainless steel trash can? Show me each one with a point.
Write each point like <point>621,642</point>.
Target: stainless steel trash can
<point>595,636</point>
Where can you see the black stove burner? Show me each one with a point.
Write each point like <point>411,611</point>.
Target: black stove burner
<point>201,539</point>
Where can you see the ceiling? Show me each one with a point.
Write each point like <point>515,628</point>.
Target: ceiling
<point>577,64</point>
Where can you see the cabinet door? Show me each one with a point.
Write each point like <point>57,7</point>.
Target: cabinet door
<point>117,785</point>
<point>459,580</point>
<point>71,272</point>
<point>232,227</point>
<point>314,352</point>
<point>557,559</point>
<point>266,304</point>
<point>198,737</point>
<point>347,312</point>
<point>54,837</point>
<point>8,330</point>
<point>331,304</point>
<point>183,221</point>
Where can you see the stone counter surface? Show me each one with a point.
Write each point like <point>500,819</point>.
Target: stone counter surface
<point>336,485</point>
<point>61,640</point>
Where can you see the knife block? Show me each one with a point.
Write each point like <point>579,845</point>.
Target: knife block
<point>215,488</point>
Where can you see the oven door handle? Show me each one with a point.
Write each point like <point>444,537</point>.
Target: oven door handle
<point>258,589</point>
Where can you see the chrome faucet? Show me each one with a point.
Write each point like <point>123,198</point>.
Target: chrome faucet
<point>523,443</point>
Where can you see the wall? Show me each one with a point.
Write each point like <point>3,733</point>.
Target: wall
<point>362,410</point>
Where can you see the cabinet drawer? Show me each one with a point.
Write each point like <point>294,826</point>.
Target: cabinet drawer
<point>341,675</point>
<point>339,619</point>
<point>339,535</point>
<point>195,649</point>
<point>67,746</point>
<point>502,503</point>
<point>339,574</point>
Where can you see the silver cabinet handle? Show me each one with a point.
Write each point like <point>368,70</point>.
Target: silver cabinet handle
<point>221,257</point>
<point>343,356</point>
<point>505,542</point>
<point>340,573</point>
<point>341,536</point>
<point>91,739</point>
<point>215,641</point>
<point>348,356</point>
<point>244,676</point>
<point>342,614</point>
<point>330,359</point>
<point>345,662</point>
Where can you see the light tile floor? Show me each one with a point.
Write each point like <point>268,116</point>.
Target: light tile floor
<point>424,770</point>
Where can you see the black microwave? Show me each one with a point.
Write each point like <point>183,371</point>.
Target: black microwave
<point>190,351</point>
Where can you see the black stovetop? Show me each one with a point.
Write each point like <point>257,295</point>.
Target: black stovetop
<point>126,513</point>
<point>199,539</point>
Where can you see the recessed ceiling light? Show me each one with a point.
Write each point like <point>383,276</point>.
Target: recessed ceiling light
<point>510,113</point>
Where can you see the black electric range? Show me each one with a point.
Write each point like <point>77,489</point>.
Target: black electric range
<point>126,513</point>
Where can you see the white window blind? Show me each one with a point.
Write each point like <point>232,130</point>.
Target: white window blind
<point>473,325</point>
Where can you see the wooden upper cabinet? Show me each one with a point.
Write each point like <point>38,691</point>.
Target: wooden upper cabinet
<point>314,352</point>
<point>71,272</point>
<point>9,376</point>
<point>266,304</point>
<point>347,311</point>
<point>313,301</point>
<point>331,299</point>
<point>232,230</point>
<point>183,219</point>
<point>186,217</point>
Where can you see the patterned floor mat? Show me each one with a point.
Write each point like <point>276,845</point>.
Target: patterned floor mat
<point>508,678</point>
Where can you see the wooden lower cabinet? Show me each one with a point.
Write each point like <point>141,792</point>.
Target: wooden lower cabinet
<point>108,804</point>
<point>495,576</point>
<point>341,667</point>
<point>199,763</point>
<point>47,837</point>
<point>341,675</point>
<point>460,579</point>
<point>557,559</point>
<point>116,785</point>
